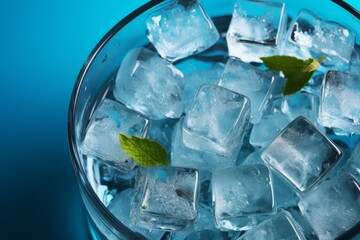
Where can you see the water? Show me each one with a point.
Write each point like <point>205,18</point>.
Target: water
<point>110,184</point>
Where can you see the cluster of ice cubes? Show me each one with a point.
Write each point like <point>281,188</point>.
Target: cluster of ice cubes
<point>246,161</point>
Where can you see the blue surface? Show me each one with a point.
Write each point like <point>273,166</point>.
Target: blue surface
<point>43,45</point>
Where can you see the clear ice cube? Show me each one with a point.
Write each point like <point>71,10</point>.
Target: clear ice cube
<point>216,121</point>
<point>282,226</point>
<point>334,207</point>
<point>182,156</point>
<point>194,81</point>
<point>302,155</point>
<point>258,85</point>
<point>150,85</point>
<point>311,36</point>
<point>101,140</point>
<point>166,198</point>
<point>181,29</point>
<point>256,29</point>
<point>120,207</point>
<point>340,101</point>
<point>242,196</point>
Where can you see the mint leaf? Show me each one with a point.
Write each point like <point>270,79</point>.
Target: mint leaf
<point>145,152</point>
<point>297,72</point>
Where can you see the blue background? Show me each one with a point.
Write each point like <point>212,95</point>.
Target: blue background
<point>43,45</point>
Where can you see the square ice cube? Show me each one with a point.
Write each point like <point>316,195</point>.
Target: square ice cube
<point>182,156</point>
<point>101,140</point>
<point>256,29</point>
<point>242,196</point>
<point>311,36</point>
<point>302,154</point>
<point>216,121</point>
<point>166,198</point>
<point>120,207</point>
<point>340,101</point>
<point>259,86</point>
<point>279,227</point>
<point>181,29</point>
<point>150,85</point>
<point>334,207</point>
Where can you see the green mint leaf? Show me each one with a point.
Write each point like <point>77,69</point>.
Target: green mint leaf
<point>145,152</point>
<point>296,71</point>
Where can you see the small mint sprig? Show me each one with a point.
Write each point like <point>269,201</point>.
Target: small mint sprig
<point>297,72</point>
<point>143,151</point>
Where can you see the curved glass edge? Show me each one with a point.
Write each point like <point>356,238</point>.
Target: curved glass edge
<point>348,8</point>
<point>83,182</point>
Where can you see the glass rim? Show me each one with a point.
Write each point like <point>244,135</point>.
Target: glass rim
<point>85,184</point>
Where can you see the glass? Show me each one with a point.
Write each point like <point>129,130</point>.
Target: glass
<point>97,76</point>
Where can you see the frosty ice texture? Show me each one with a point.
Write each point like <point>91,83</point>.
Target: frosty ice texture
<point>242,196</point>
<point>279,227</point>
<point>194,81</point>
<point>333,208</point>
<point>182,156</point>
<point>166,198</point>
<point>302,154</point>
<point>120,207</point>
<point>102,134</point>
<point>259,86</point>
<point>216,121</point>
<point>340,101</point>
<point>256,29</point>
<point>310,36</point>
<point>280,113</point>
<point>150,85</point>
<point>181,29</point>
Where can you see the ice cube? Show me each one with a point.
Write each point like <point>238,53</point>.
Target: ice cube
<point>180,29</point>
<point>166,198</point>
<point>242,196</point>
<point>302,155</point>
<point>216,121</point>
<point>194,81</point>
<point>310,36</point>
<point>206,162</point>
<point>101,140</point>
<point>279,227</point>
<point>120,207</point>
<point>256,29</point>
<point>150,85</point>
<point>259,86</point>
<point>334,207</point>
<point>340,101</point>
